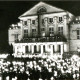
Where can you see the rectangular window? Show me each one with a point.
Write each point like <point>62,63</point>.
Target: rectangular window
<point>34,33</point>
<point>60,19</point>
<point>60,30</point>
<point>33,21</point>
<point>42,21</point>
<point>51,31</point>
<point>42,29</point>
<point>25,22</point>
<point>16,36</point>
<point>78,34</point>
<point>25,33</point>
<point>50,20</point>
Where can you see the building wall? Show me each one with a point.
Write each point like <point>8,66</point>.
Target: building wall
<point>56,22</point>
<point>11,35</point>
<point>74,42</point>
<point>46,24</point>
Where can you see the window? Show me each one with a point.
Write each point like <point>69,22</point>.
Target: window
<point>16,36</point>
<point>51,31</point>
<point>33,21</point>
<point>33,32</point>
<point>25,22</point>
<point>42,29</point>
<point>78,34</point>
<point>60,30</point>
<point>25,33</point>
<point>42,21</point>
<point>60,19</point>
<point>50,20</point>
<point>41,10</point>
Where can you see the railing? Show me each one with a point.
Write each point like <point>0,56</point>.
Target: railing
<point>42,39</point>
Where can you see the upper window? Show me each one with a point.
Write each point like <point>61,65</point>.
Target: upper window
<point>34,33</point>
<point>16,36</point>
<point>51,31</point>
<point>33,21</point>
<point>60,30</point>
<point>25,22</point>
<point>78,34</point>
<point>50,20</point>
<point>42,29</point>
<point>41,10</point>
<point>25,33</point>
<point>60,19</point>
<point>33,30</point>
<point>42,21</point>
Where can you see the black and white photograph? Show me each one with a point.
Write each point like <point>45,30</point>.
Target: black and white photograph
<point>40,40</point>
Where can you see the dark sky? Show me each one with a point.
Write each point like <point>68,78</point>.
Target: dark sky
<point>11,10</point>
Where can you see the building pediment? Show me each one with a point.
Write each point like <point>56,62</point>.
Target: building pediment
<point>45,8</point>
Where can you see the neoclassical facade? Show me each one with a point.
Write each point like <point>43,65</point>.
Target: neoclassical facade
<point>44,29</point>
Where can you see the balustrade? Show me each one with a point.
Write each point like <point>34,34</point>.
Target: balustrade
<point>42,39</point>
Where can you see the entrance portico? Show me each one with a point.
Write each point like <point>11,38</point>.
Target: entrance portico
<point>41,48</point>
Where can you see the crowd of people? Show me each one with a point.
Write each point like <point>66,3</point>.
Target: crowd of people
<point>41,68</point>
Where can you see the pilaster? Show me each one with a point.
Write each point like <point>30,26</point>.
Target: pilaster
<point>32,48</point>
<point>46,27</point>
<point>65,28</point>
<point>51,46</point>
<point>15,49</point>
<point>56,48</point>
<point>55,25</point>
<point>23,49</point>
<point>29,28</point>
<point>37,48</point>
<point>62,49</point>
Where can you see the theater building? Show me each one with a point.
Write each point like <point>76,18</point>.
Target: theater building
<point>43,29</point>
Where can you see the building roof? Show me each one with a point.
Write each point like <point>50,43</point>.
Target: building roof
<point>34,9</point>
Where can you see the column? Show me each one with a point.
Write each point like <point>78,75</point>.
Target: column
<point>55,27</point>
<point>51,46</point>
<point>23,49</point>
<point>46,27</point>
<point>39,25</point>
<point>15,50</point>
<point>46,48</point>
<point>65,28</point>
<point>56,48</point>
<point>29,28</point>
<point>62,49</point>
<point>29,47</point>
<point>22,32</point>
<point>41,49</point>
<point>37,48</point>
<point>32,48</point>
<point>66,47</point>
